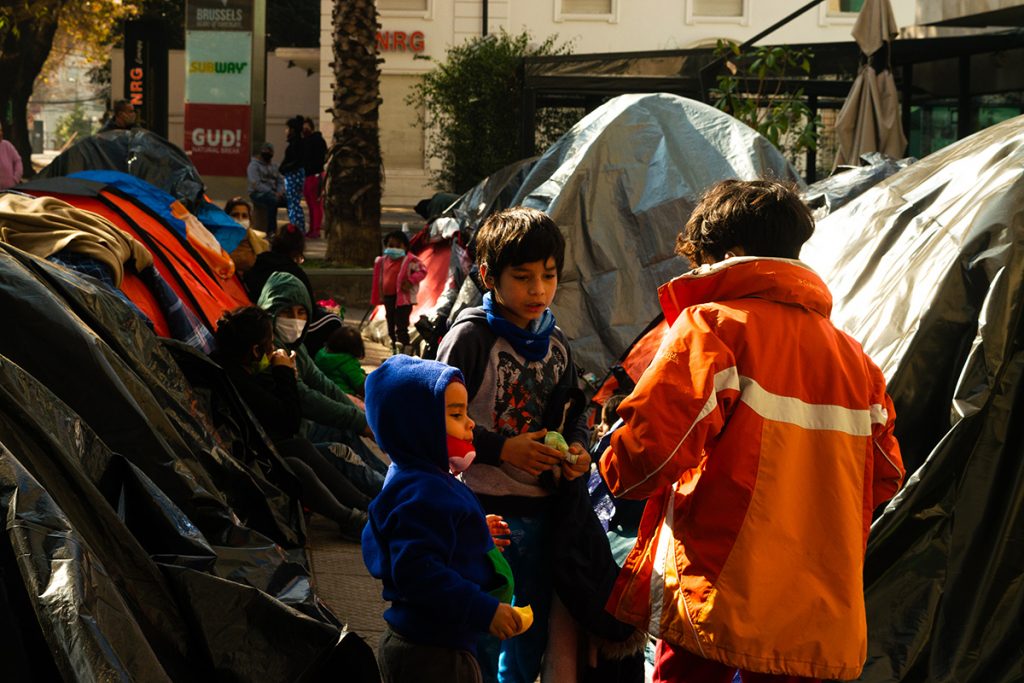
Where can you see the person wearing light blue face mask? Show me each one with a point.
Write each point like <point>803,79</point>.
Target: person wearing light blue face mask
<point>396,278</point>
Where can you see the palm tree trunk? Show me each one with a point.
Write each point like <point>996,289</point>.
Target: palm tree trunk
<point>354,169</point>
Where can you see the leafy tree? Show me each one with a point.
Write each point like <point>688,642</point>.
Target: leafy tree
<point>73,124</point>
<point>354,172</point>
<point>470,107</point>
<point>747,93</point>
<point>27,32</point>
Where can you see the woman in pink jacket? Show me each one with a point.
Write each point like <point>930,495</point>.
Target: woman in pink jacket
<point>396,277</point>
<point>10,163</point>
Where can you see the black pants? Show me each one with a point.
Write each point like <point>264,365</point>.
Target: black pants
<point>402,661</point>
<point>398,320</point>
<point>324,488</point>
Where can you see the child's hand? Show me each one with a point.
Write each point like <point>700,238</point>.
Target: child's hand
<point>529,454</point>
<point>499,531</point>
<point>572,470</point>
<point>505,623</point>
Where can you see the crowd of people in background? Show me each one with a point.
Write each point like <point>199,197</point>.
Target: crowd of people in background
<point>299,176</point>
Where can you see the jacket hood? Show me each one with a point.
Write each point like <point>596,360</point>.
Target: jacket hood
<point>786,281</point>
<point>405,409</point>
<point>470,314</point>
<point>283,290</point>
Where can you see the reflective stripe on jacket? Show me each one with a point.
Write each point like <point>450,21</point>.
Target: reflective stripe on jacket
<point>763,437</point>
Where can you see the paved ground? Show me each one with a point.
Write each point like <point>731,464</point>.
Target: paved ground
<point>341,578</point>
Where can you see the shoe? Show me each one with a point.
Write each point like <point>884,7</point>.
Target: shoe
<point>409,350</point>
<point>351,529</point>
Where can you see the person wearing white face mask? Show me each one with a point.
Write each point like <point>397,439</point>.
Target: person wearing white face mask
<point>328,413</point>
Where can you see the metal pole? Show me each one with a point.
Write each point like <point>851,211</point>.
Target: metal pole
<point>484,29</point>
<point>259,72</point>
<point>713,66</point>
<point>963,116</point>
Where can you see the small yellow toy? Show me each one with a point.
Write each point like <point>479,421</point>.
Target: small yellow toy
<point>526,614</point>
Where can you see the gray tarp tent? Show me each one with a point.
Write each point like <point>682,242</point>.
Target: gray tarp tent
<point>927,271</point>
<point>621,185</point>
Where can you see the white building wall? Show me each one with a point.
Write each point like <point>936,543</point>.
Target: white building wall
<point>632,26</point>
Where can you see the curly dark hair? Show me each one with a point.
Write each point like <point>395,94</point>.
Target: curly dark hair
<point>238,330</point>
<point>516,236</point>
<point>763,217</point>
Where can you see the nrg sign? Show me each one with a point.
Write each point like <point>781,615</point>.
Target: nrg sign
<point>400,41</point>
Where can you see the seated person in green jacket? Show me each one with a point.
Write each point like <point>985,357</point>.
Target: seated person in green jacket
<point>339,359</point>
<point>329,415</point>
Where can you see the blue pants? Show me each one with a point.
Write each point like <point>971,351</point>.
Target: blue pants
<point>319,433</point>
<point>352,467</point>
<point>518,660</point>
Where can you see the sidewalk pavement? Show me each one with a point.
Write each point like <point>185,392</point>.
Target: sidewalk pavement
<point>339,575</point>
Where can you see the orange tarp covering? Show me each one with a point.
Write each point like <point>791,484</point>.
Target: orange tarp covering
<point>206,295</point>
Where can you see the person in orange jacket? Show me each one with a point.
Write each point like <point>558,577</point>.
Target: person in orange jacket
<point>762,437</point>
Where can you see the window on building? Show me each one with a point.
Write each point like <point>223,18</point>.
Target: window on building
<point>403,5</point>
<point>587,6</point>
<point>840,7</point>
<point>718,8</point>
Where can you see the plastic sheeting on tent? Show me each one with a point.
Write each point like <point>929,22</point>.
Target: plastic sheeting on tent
<point>832,193</point>
<point>151,531</point>
<point>154,160</point>
<point>137,152</point>
<point>824,197</point>
<point>621,184</point>
<point>927,271</point>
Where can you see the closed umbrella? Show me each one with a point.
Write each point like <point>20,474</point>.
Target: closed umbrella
<point>870,118</point>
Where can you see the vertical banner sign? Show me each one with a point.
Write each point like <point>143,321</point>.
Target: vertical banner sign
<point>218,85</point>
<point>145,72</point>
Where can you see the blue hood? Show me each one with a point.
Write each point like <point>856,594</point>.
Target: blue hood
<point>405,410</point>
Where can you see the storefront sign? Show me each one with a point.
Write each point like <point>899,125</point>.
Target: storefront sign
<point>145,72</point>
<point>218,85</point>
<point>400,41</point>
<point>217,67</point>
<point>217,138</point>
<point>219,15</point>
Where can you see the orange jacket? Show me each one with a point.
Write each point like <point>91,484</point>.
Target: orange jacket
<point>763,437</point>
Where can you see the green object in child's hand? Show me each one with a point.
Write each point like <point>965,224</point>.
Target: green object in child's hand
<point>556,441</point>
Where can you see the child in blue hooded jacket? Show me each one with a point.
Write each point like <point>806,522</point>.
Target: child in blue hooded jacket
<point>427,538</point>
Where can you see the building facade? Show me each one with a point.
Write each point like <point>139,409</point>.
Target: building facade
<point>415,35</point>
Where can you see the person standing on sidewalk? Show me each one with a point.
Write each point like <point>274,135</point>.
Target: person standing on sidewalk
<point>266,189</point>
<point>396,279</point>
<point>10,163</point>
<point>314,155</point>
<point>761,438</point>
<point>294,173</point>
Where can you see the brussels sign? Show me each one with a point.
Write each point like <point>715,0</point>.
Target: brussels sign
<point>218,85</point>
